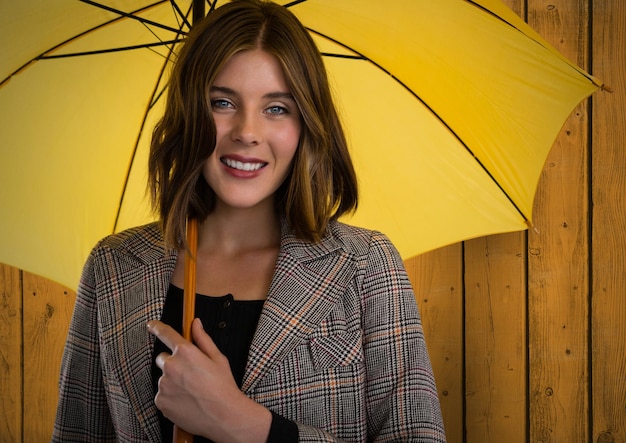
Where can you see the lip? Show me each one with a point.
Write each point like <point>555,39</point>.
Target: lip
<point>242,167</point>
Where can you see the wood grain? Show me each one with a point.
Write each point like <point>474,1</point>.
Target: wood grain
<point>437,280</point>
<point>495,332</point>
<point>558,259</point>
<point>48,308</point>
<point>495,338</point>
<point>10,354</point>
<point>608,315</point>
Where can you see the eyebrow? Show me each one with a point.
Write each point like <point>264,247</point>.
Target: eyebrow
<point>271,95</point>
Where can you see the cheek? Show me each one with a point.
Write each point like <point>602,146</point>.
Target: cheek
<point>221,127</point>
<point>289,141</point>
<point>211,164</point>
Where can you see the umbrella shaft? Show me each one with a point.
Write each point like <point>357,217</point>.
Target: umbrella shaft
<point>181,436</point>
<point>198,10</point>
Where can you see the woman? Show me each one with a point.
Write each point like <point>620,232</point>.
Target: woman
<point>308,329</point>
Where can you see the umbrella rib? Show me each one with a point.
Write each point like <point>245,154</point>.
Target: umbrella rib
<point>348,56</point>
<point>107,51</point>
<point>360,56</point>
<point>156,94</point>
<point>295,2</point>
<point>491,13</point>
<point>132,15</point>
<point>63,43</point>
<point>177,13</point>
<point>573,66</point>
<point>181,14</point>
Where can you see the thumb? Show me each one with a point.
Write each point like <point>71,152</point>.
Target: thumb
<point>203,340</point>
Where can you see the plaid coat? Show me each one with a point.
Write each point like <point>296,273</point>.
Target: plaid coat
<point>339,347</point>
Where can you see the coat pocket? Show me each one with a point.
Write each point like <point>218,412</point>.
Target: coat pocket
<point>336,350</point>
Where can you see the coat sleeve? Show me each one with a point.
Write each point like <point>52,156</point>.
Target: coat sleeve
<point>82,411</point>
<point>402,400</point>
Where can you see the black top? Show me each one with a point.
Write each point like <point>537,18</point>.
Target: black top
<point>231,324</point>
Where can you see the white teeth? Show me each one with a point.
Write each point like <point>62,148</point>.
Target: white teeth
<point>242,166</point>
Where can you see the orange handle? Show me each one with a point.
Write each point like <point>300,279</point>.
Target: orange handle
<point>189,290</point>
<point>189,301</point>
<point>181,436</point>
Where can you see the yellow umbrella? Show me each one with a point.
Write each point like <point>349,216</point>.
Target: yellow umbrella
<point>451,107</point>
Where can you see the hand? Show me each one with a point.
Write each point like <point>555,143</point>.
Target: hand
<point>197,390</point>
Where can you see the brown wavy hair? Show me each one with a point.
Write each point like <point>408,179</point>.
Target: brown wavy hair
<point>322,184</point>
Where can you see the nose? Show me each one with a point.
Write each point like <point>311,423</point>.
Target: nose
<point>247,129</point>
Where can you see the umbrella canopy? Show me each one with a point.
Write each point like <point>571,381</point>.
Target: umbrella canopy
<point>450,107</point>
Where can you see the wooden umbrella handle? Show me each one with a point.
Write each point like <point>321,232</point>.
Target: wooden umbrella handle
<point>189,294</point>
<point>189,301</point>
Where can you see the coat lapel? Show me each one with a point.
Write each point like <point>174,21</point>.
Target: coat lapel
<point>140,299</point>
<point>138,379</point>
<point>308,281</point>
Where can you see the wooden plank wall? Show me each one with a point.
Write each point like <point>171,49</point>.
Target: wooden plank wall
<point>608,194</point>
<point>527,331</point>
<point>34,317</point>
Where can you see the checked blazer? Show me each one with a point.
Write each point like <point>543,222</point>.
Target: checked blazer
<point>339,347</point>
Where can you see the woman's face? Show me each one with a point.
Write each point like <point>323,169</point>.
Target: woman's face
<point>258,127</point>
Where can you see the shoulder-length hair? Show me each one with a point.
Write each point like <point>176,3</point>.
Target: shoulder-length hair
<point>322,184</point>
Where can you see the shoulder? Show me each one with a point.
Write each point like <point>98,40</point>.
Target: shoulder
<point>361,246</point>
<point>132,263</point>
<point>361,241</point>
<point>142,243</point>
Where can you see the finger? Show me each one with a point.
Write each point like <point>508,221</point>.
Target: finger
<point>166,334</point>
<point>204,340</point>
<point>161,358</point>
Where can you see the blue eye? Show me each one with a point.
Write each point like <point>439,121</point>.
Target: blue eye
<point>220,103</point>
<point>277,110</point>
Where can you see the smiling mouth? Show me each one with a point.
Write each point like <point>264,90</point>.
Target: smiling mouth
<point>242,166</point>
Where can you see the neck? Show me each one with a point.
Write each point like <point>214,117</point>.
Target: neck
<point>234,231</point>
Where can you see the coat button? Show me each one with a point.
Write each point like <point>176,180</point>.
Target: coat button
<point>221,324</point>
